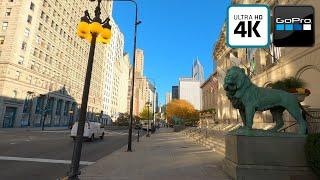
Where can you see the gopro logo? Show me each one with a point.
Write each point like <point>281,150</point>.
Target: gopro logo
<point>293,26</point>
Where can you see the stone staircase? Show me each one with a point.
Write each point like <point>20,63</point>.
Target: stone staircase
<point>212,138</point>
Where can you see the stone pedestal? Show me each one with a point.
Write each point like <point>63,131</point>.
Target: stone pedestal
<point>265,158</point>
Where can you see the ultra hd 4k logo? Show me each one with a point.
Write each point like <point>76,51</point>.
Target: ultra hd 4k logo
<point>293,26</point>
<point>248,26</point>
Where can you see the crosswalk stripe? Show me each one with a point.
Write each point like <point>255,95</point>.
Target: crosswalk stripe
<point>55,161</point>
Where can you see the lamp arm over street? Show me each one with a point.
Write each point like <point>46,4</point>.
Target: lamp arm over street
<point>136,23</point>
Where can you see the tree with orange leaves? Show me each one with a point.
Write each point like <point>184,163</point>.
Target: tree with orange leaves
<point>182,109</point>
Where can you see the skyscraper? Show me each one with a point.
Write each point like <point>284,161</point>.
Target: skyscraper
<point>113,70</point>
<point>175,92</point>
<point>139,62</point>
<point>168,97</point>
<point>197,71</point>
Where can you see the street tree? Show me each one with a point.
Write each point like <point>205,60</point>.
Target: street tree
<point>183,110</point>
<point>144,114</point>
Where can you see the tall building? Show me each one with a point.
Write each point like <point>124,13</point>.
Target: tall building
<point>129,89</point>
<point>139,66</point>
<point>197,71</point>
<point>144,89</point>
<point>111,70</point>
<point>168,97</point>
<point>42,60</point>
<point>268,66</point>
<point>123,87</point>
<point>175,92</point>
<point>189,90</point>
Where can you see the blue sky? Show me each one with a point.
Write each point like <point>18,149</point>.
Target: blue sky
<point>172,34</point>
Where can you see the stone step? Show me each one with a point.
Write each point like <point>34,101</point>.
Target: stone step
<point>214,143</point>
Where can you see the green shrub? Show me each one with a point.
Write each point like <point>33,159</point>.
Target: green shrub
<point>288,83</point>
<point>312,150</point>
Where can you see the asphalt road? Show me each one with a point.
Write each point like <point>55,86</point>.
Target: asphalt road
<point>21,152</point>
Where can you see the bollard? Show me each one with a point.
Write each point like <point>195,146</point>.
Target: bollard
<point>138,139</point>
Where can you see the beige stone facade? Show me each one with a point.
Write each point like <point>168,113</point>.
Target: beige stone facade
<point>115,69</point>
<point>209,101</point>
<point>42,59</point>
<point>208,90</point>
<point>271,64</point>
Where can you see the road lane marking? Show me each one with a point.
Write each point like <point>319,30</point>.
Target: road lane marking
<point>115,133</point>
<point>58,131</point>
<point>55,161</point>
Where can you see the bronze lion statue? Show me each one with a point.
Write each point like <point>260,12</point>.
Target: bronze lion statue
<point>249,98</point>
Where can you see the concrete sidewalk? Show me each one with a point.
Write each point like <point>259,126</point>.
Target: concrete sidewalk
<point>164,156</point>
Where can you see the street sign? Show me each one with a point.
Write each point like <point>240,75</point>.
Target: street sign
<point>248,26</point>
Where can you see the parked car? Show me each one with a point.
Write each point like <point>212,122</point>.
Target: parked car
<point>145,124</point>
<point>92,130</point>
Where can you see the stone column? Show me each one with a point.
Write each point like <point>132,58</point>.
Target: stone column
<point>61,118</point>
<point>53,111</point>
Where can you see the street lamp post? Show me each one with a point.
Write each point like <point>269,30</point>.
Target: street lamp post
<point>148,104</point>
<point>154,105</point>
<point>93,30</point>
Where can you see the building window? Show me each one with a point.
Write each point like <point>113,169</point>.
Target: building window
<point>38,39</point>
<point>8,11</point>
<point>26,32</point>
<point>20,60</point>
<point>45,3</point>
<point>29,79</point>
<point>24,46</point>
<point>42,15</point>
<point>40,27</point>
<point>29,20</point>
<point>4,25</point>
<point>32,64</point>
<point>36,52</point>
<point>18,73</point>
<point>46,58</point>
<point>40,54</point>
<point>32,6</point>
<point>2,39</point>
<point>49,47</point>
<point>14,94</point>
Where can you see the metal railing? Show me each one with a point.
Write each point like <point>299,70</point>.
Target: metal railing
<point>312,117</point>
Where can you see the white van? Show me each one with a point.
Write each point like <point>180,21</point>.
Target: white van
<point>145,124</point>
<point>92,130</point>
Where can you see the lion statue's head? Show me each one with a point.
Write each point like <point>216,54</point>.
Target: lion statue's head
<point>235,82</point>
